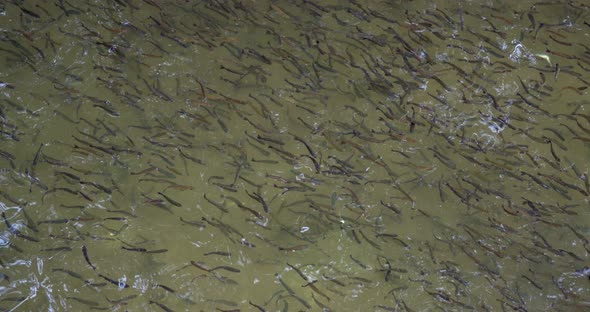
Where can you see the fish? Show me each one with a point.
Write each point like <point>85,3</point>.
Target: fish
<point>166,288</point>
<point>119,284</point>
<point>219,253</point>
<point>121,300</point>
<point>85,253</point>
<point>17,232</point>
<point>260,308</point>
<point>170,200</point>
<point>69,272</point>
<point>225,268</point>
<point>162,306</point>
<point>259,199</point>
<point>64,248</point>
<point>84,301</point>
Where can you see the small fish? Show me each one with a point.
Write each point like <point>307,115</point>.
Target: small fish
<point>226,268</point>
<point>15,231</point>
<point>293,248</point>
<point>259,198</point>
<point>122,299</point>
<point>219,253</point>
<point>200,265</point>
<point>65,248</point>
<point>193,223</point>
<point>84,301</point>
<point>162,306</point>
<point>303,276</point>
<point>134,249</point>
<point>119,284</point>
<point>166,288</point>
<point>111,112</point>
<point>69,272</point>
<point>261,309</point>
<point>85,252</point>
<point>36,159</point>
<point>170,200</point>
<point>57,221</point>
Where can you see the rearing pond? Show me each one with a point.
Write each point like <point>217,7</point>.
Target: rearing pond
<point>294,155</point>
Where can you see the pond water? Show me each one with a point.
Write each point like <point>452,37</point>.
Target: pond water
<point>294,155</point>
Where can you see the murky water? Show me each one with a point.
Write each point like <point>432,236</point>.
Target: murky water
<point>294,156</point>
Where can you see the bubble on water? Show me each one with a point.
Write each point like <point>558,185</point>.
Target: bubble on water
<point>4,239</point>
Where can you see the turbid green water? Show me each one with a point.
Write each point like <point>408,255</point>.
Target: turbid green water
<point>294,156</point>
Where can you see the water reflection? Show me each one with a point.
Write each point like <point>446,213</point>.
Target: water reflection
<point>290,156</point>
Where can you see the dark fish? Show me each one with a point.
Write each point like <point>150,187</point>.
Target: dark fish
<point>191,158</point>
<point>117,283</point>
<point>57,221</point>
<point>303,276</point>
<point>392,207</point>
<point>98,186</point>
<point>372,243</point>
<point>122,299</point>
<point>84,301</point>
<point>200,265</point>
<point>257,55</point>
<point>193,223</point>
<point>532,282</point>
<point>260,199</point>
<point>226,268</point>
<point>65,248</point>
<point>244,207</point>
<point>293,248</point>
<point>217,205</point>
<point>109,110</point>
<point>69,272</point>
<point>162,306</point>
<point>116,218</point>
<point>155,251</point>
<point>85,252</point>
<point>170,200</point>
<point>219,253</point>
<point>69,175</point>
<point>134,249</point>
<point>36,158</point>
<point>15,231</point>
<point>261,309</point>
<point>553,151</point>
<point>166,288</point>
<point>362,265</point>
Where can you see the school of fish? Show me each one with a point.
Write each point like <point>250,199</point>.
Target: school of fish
<point>302,155</point>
